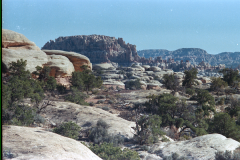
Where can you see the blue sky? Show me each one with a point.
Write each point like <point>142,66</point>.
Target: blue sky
<point>212,25</point>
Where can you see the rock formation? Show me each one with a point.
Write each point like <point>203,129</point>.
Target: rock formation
<point>76,59</point>
<point>38,144</point>
<point>193,55</point>
<point>199,148</point>
<point>16,46</point>
<point>97,48</point>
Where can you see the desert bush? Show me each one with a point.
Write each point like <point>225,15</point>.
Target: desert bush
<point>108,151</point>
<point>91,104</point>
<point>68,129</point>
<point>165,139</point>
<point>61,88</point>
<point>100,101</point>
<point>221,101</point>
<point>51,83</point>
<point>99,134</point>
<point>39,119</point>
<point>106,108</point>
<point>126,115</point>
<point>148,129</point>
<point>76,97</point>
<point>110,101</point>
<point>95,91</point>
<point>100,97</point>
<point>190,91</point>
<point>133,84</point>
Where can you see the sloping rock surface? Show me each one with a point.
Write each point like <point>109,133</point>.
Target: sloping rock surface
<point>199,148</point>
<point>77,60</point>
<point>36,144</point>
<point>60,66</point>
<point>87,117</point>
<point>16,46</point>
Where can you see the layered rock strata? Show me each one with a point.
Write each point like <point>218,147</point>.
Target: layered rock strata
<point>98,48</point>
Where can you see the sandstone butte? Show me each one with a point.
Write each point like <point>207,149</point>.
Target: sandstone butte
<point>16,46</point>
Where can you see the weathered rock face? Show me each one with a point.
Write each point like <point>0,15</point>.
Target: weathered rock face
<point>97,48</point>
<point>82,115</point>
<point>199,148</point>
<point>76,59</point>
<point>35,143</point>
<point>14,39</point>
<point>60,66</point>
<point>16,46</point>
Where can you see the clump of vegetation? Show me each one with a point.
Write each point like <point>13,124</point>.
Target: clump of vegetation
<point>190,76</point>
<point>133,84</point>
<point>68,129</point>
<point>190,91</point>
<point>221,101</point>
<point>171,82</point>
<point>218,84</point>
<point>148,129</point>
<point>61,88</point>
<point>19,86</point>
<point>76,97</point>
<point>231,76</point>
<point>106,108</point>
<point>100,97</point>
<point>225,125</point>
<point>108,151</point>
<point>85,80</point>
<point>99,134</point>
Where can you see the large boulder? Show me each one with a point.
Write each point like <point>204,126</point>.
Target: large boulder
<point>16,46</point>
<point>77,59</point>
<point>103,66</point>
<point>199,148</point>
<point>60,66</point>
<point>36,143</point>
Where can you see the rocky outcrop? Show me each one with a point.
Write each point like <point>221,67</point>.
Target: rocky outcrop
<point>199,148</point>
<point>60,66</point>
<point>36,143</point>
<point>76,59</point>
<point>194,56</point>
<point>59,112</point>
<point>16,46</point>
<point>98,48</point>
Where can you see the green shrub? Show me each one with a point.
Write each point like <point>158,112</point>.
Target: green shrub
<point>39,119</point>
<point>190,91</point>
<point>106,108</point>
<point>76,97</point>
<point>100,97</point>
<point>148,129</point>
<point>9,154</point>
<point>68,129</point>
<point>23,116</point>
<point>61,88</point>
<point>51,83</point>
<point>221,101</point>
<point>107,151</point>
<point>99,134</point>
<point>133,84</point>
<point>165,139</point>
<point>91,104</point>
<point>100,101</point>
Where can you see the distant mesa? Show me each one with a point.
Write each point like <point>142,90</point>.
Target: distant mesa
<point>98,48</point>
<point>194,56</point>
